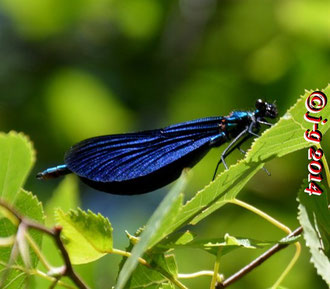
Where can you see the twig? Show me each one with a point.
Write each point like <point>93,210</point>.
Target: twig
<point>262,258</point>
<point>69,271</point>
<point>55,234</point>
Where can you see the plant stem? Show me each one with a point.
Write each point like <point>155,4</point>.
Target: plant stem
<point>280,226</point>
<point>199,274</point>
<point>128,254</point>
<point>216,269</point>
<point>38,252</point>
<point>7,241</point>
<point>289,267</point>
<point>261,214</point>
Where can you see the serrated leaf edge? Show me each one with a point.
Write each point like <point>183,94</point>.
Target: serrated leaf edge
<point>85,214</point>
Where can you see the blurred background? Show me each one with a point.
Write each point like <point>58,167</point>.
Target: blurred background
<point>70,70</point>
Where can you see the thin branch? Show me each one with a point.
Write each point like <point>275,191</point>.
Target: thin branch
<point>55,234</point>
<point>258,261</point>
<point>69,271</point>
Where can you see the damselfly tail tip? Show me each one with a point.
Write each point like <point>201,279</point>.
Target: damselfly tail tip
<point>53,172</point>
<point>40,176</point>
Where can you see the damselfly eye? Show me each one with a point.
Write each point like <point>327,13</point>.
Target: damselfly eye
<point>260,105</point>
<point>272,111</point>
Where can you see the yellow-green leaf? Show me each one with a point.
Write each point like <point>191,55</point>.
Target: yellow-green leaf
<point>17,157</point>
<point>86,236</point>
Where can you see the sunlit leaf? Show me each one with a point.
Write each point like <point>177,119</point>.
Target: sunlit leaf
<point>314,217</point>
<point>17,157</point>
<point>86,236</point>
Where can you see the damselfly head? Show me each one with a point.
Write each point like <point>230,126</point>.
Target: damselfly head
<point>265,109</point>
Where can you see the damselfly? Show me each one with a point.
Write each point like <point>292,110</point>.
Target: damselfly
<point>140,162</point>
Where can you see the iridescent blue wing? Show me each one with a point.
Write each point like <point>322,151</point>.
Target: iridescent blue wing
<point>148,156</point>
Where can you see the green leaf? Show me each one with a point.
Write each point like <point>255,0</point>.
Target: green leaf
<point>289,240</point>
<point>216,194</point>
<point>166,221</point>
<point>86,236</point>
<point>166,263</point>
<point>314,218</point>
<point>177,239</point>
<point>27,205</point>
<point>284,137</point>
<point>228,244</point>
<point>64,197</point>
<point>154,230</point>
<point>212,245</point>
<point>144,277</point>
<point>17,157</point>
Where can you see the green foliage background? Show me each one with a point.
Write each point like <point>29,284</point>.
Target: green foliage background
<point>75,69</point>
